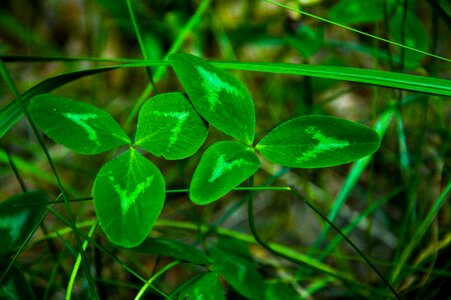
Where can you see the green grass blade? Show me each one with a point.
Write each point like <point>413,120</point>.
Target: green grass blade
<point>357,31</point>
<point>155,277</point>
<point>11,113</point>
<point>76,267</point>
<point>348,229</point>
<point>415,83</point>
<point>350,243</point>
<point>420,232</point>
<point>50,58</point>
<point>70,228</point>
<point>136,29</point>
<point>409,82</point>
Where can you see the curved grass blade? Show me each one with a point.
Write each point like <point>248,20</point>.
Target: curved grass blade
<point>402,81</point>
<point>12,112</point>
<point>129,193</point>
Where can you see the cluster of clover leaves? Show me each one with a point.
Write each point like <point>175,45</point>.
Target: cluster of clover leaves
<point>129,190</point>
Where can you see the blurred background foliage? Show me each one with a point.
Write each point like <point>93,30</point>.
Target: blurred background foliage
<point>393,195</point>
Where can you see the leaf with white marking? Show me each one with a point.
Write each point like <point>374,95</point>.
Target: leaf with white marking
<point>317,142</point>
<point>223,166</point>
<point>129,193</point>
<point>169,126</point>
<point>14,285</point>
<point>208,287</point>
<point>79,126</point>
<point>218,96</point>
<point>18,216</point>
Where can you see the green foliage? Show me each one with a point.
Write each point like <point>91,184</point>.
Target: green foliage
<point>413,35</point>
<point>217,96</point>
<point>353,12</point>
<point>79,126</point>
<point>11,113</point>
<point>18,219</point>
<point>168,126</point>
<point>207,287</point>
<point>318,142</point>
<point>150,205</point>
<point>14,285</point>
<point>239,272</point>
<point>306,40</point>
<point>172,248</point>
<point>222,167</point>
<point>279,291</point>
<point>129,193</point>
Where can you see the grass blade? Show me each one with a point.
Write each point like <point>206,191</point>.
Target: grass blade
<point>12,112</point>
<point>409,82</point>
<point>421,231</point>
<point>357,31</point>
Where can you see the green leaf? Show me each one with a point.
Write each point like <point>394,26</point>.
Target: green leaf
<point>79,126</point>
<point>18,217</point>
<point>280,291</point>
<point>222,167</point>
<point>12,112</point>
<point>14,285</point>
<point>241,274</point>
<point>306,40</point>
<point>129,194</point>
<point>169,126</point>
<point>317,142</point>
<point>218,96</point>
<point>415,35</point>
<point>207,287</point>
<point>234,247</point>
<point>172,248</point>
<point>354,12</point>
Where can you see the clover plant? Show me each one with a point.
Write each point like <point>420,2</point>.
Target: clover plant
<point>129,190</point>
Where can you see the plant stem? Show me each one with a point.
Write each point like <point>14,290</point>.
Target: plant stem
<point>354,246</point>
<point>154,277</point>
